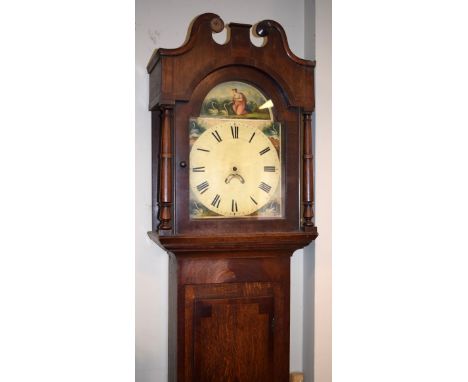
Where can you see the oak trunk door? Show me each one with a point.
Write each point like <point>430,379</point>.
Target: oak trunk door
<point>232,334</point>
<point>233,340</point>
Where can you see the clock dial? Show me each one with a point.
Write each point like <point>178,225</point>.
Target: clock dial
<point>235,169</point>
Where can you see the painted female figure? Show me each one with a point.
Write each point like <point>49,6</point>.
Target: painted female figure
<point>239,102</point>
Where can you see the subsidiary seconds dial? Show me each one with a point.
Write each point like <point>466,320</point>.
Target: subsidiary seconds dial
<point>234,168</point>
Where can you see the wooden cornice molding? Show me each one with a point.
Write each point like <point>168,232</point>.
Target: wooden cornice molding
<point>277,241</point>
<point>201,55</point>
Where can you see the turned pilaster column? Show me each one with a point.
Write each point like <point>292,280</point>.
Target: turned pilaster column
<point>165,170</point>
<point>308,173</point>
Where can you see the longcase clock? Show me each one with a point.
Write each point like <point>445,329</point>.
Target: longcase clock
<point>232,196</point>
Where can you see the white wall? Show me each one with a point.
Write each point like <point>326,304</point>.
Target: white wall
<point>164,24</point>
<point>317,257</point>
<point>309,252</point>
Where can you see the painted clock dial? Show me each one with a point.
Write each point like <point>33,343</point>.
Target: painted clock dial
<point>235,169</point>
<point>235,155</point>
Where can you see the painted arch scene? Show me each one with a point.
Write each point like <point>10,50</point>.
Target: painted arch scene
<point>235,99</point>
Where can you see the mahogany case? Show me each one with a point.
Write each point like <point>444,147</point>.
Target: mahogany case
<point>229,278</point>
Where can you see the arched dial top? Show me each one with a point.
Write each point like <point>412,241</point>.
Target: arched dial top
<point>235,170</point>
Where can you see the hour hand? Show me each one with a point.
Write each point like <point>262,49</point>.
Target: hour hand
<point>232,176</point>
